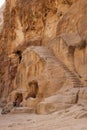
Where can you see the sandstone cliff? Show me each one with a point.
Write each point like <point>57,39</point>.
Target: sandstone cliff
<point>43,54</point>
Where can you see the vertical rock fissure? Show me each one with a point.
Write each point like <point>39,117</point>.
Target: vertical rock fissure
<point>19,53</point>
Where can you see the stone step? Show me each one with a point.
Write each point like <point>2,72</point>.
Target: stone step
<point>75,81</point>
<point>18,110</point>
<point>78,86</point>
<point>74,77</point>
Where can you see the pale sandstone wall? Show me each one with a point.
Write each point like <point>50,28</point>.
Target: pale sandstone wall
<point>43,69</point>
<point>74,21</point>
<point>27,21</point>
<point>59,25</point>
<point>35,20</point>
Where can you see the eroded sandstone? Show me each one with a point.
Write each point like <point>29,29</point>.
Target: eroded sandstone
<point>43,52</point>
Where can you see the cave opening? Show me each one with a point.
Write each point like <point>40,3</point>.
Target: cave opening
<point>18,99</point>
<point>33,89</point>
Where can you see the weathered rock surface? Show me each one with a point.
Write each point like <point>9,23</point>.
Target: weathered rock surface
<point>74,21</point>
<point>43,52</point>
<point>1,17</point>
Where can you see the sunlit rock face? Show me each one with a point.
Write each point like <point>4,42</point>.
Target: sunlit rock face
<point>1,16</point>
<point>74,21</point>
<point>43,52</point>
<point>33,20</point>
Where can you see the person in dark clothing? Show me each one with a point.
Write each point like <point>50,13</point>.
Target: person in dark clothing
<point>16,103</point>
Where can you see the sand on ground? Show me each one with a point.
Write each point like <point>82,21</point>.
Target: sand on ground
<point>62,120</point>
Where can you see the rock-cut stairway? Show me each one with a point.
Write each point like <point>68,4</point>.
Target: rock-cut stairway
<point>48,55</point>
<point>62,99</point>
<point>72,75</point>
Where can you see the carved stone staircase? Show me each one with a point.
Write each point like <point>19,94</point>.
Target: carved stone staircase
<point>72,75</point>
<point>62,99</point>
<point>48,55</point>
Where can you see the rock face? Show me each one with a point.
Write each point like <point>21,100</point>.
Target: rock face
<point>43,52</point>
<point>1,17</point>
